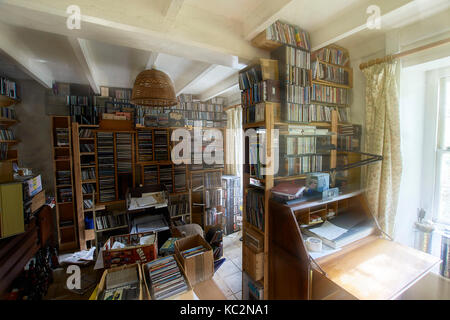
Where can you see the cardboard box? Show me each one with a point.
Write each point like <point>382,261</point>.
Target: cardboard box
<point>6,172</point>
<point>187,295</point>
<point>253,263</point>
<point>102,284</point>
<point>38,201</point>
<point>200,267</point>
<point>129,255</point>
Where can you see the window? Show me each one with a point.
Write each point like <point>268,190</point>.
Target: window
<point>442,191</point>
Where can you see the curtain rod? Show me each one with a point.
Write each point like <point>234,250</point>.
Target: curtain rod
<point>403,54</point>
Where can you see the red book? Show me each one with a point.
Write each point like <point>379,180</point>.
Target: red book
<point>288,190</point>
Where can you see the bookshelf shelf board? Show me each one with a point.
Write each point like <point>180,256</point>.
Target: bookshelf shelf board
<point>180,215</point>
<point>88,125</point>
<point>61,160</point>
<point>11,159</point>
<point>112,202</point>
<point>206,170</point>
<point>67,227</point>
<point>97,208</point>
<point>87,139</point>
<point>261,41</point>
<point>6,101</point>
<point>10,142</point>
<point>338,105</point>
<point>250,226</point>
<point>87,153</point>
<point>254,125</point>
<point>315,124</point>
<point>63,185</point>
<point>331,84</point>
<point>62,147</point>
<point>290,178</point>
<point>88,166</point>
<point>111,229</point>
<point>6,122</point>
<point>89,181</point>
<point>64,203</point>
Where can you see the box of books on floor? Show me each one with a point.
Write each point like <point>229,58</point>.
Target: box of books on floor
<point>121,283</point>
<point>196,257</point>
<point>164,279</point>
<point>130,248</point>
<point>251,290</point>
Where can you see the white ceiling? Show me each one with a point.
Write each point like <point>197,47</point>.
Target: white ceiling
<point>200,44</point>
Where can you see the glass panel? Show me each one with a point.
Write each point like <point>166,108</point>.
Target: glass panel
<point>446,113</point>
<point>444,188</point>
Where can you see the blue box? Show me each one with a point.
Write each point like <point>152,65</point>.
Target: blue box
<point>318,181</point>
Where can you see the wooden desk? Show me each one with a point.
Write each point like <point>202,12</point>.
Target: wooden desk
<point>371,268</point>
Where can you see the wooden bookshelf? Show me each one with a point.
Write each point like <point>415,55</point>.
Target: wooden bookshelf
<point>66,221</point>
<point>85,236</point>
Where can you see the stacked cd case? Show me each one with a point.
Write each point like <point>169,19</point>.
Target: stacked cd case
<point>106,173</point>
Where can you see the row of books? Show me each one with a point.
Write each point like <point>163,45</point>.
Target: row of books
<point>63,177</point>
<point>88,204</point>
<point>198,106</point>
<point>65,194</point>
<point>88,188</point>
<point>192,252</point>
<point>166,278</point>
<point>293,57</point>
<point>185,97</point>
<point>6,134</point>
<point>254,113</point>
<point>8,88</point>
<point>202,115</point>
<point>88,174</point>
<point>332,55</point>
<point>150,175</point>
<point>87,147</point>
<point>329,73</point>
<point>179,205</point>
<point>165,177</point>
<point>296,76</point>
<point>255,208</point>
<point>231,202</point>
<point>298,145</point>
<point>213,198</point>
<point>4,151</point>
<point>179,174</point>
<point>268,90</point>
<point>250,77</point>
<point>288,34</point>
<point>78,100</point>
<point>106,169</point>
<point>62,137</point>
<point>348,143</point>
<point>327,94</point>
<point>145,145</point>
<point>86,133</point>
<point>161,148</point>
<point>8,113</point>
<point>108,221</point>
<point>255,162</point>
<point>213,180</point>
<point>123,152</point>
<point>296,94</point>
<point>312,113</point>
<point>304,164</point>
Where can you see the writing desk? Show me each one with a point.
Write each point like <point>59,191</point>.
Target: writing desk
<point>370,268</point>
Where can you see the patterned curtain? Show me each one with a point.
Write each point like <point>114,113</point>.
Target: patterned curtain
<point>382,180</point>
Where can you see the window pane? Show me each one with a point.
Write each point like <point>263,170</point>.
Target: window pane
<point>444,190</point>
<point>446,113</point>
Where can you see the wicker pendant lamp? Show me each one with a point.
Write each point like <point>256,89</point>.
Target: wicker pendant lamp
<point>153,88</point>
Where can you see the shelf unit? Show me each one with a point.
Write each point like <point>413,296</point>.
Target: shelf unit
<point>109,176</point>
<point>7,120</point>
<point>66,220</point>
<point>84,161</point>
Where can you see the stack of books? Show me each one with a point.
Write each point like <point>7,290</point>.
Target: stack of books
<point>255,208</point>
<point>179,205</point>
<point>8,113</point>
<point>108,221</point>
<point>145,145</point>
<point>165,177</point>
<point>88,188</point>
<point>288,34</point>
<point>106,171</point>
<point>329,73</point>
<point>332,55</point>
<point>165,277</point>
<point>150,175</point>
<point>327,94</point>
<point>63,177</point>
<point>8,88</point>
<point>62,137</point>
<point>179,178</point>
<point>161,145</point>
<point>88,174</point>
<point>123,152</point>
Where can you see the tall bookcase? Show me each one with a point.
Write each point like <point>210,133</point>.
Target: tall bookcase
<point>66,220</point>
<point>314,93</point>
<point>8,98</point>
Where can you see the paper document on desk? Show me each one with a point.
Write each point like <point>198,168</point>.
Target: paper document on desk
<point>146,201</point>
<point>329,231</point>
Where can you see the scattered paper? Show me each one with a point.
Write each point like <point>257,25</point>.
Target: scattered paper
<point>328,231</point>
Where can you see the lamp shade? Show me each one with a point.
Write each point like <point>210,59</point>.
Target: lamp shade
<point>153,88</point>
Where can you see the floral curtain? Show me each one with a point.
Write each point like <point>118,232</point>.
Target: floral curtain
<point>382,180</point>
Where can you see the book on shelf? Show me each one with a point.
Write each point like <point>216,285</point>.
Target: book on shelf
<point>88,174</point>
<point>110,220</point>
<point>332,55</point>
<point>8,88</point>
<point>165,176</point>
<point>161,148</point>
<point>106,172</point>
<point>334,74</point>
<point>145,145</point>
<point>150,175</point>
<point>178,205</point>
<point>123,152</point>
<point>6,134</point>
<point>213,180</point>
<point>288,34</point>
<point>8,113</point>
<point>63,177</point>
<point>349,137</point>
<point>88,188</point>
<point>254,212</point>
<point>303,164</point>
<point>213,198</point>
<point>326,94</point>
<point>62,137</point>
<point>250,77</point>
<point>86,133</point>
<point>288,190</point>
<point>267,90</point>
<point>64,194</point>
<point>179,178</point>
<point>87,147</point>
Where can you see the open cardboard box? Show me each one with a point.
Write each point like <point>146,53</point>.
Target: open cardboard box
<point>200,267</point>
<point>102,284</point>
<point>187,295</point>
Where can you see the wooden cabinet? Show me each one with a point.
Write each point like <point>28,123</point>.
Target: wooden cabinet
<point>11,209</point>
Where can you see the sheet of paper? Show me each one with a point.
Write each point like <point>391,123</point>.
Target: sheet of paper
<point>146,201</point>
<point>329,231</point>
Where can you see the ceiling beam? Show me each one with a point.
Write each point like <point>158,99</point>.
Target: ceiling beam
<point>19,53</point>
<point>152,60</point>
<point>264,15</point>
<point>197,77</point>
<point>222,87</point>
<point>82,52</point>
